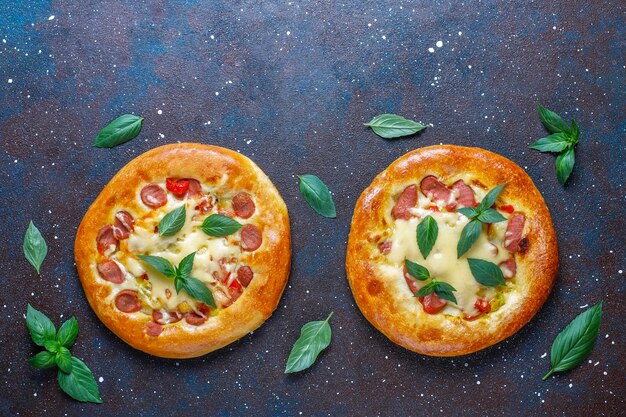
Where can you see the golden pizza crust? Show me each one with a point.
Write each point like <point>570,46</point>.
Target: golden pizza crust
<point>271,262</point>
<point>391,307</point>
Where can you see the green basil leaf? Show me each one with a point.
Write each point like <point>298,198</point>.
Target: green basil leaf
<point>469,212</point>
<point>68,332</point>
<point>42,360</point>
<point>417,270</point>
<point>391,126</point>
<point>160,264</point>
<point>40,326</point>
<point>469,236</point>
<point>218,225</point>
<point>314,337</point>
<point>576,341</point>
<point>80,383</point>
<point>446,295</point>
<point>185,265</point>
<point>444,290</point>
<point>178,283</point>
<point>486,273</point>
<point>490,198</point>
<point>119,131</point>
<point>574,133</point>
<point>555,142</point>
<point>35,248</point>
<point>52,345</point>
<point>552,121</point>
<point>198,290</point>
<point>63,360</point>
<point>564,165</point>
<point>317,195</point>
<point>173,221</point>
<point>491,216</point>
<point>427,232</point>
<point>427,289</point>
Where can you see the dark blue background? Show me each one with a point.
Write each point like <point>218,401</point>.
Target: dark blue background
<point>289,84</point>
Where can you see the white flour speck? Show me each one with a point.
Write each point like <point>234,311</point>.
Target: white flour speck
<point>100,379</point>
<point>439,44</point>
<point>431,50</point>
<point>51,17</point>
<point>10,80</point>
<point>159,111</point>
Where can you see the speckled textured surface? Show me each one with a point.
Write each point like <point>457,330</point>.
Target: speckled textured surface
<point>289,84</point>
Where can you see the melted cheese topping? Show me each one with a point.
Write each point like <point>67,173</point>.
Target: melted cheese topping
<point>159,291</point>
<point>442,262</point>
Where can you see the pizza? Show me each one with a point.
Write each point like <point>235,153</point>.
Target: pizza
<point>485,272</point>
<point>216,275</point>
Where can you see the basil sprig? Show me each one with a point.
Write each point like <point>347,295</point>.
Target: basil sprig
<point>442,289</point>
<point>486,273</point>
<point>478,215</point>
<point>218,225</point>
<point>182,276</point>
<point>35,247</point>
<point>427,232</point>
<point>563,139</point>
<point>390,126</point>
<point>74,376</point>
<point>314,337</point>
<point>173,221</point>
<point>576,341</point>
<point>316,193</point>
<point>119,131</point>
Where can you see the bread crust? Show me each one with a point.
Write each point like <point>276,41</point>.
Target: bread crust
<point>271,262</point>
<point>393,310</point>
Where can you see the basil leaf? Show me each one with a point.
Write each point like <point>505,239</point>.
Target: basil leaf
<point>564,165</point>
<point>417,270</point>
<point>172,222</point>
<point>218,225</point>
<point>426,289</point>
<point>119,131</point>
<point>42,360</point>
<point>576,341</point>
<point>178,283</point>
<point>391,126</point>
<point>185,265</point>
<point>63,360</point>
<point>314,337</point>
<point>160,264</point>
<point>469,236</point>
<point>491,216</point>
<point>574,133</point>
<point>52,345</point>
<point>317,195</point>
<point>552,121</point>
<point>68,332</point>
<point>446,295</point>
<point>35,248</point>
<point>469,212</point>
<point>198,290</point>
<point>490,198</point>
<point>555,142</point>
<point>40,326</point>
<point>486,273</point>
<point>80,383</point>
<point>427,232</point>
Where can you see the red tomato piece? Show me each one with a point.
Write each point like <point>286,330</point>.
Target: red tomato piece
<point>177,187</point>
<point>507,209</point>
<point>432,303</point>
<point>482,305</point>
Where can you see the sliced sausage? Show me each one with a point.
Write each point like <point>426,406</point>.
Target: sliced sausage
<point>153,329</point>
<point>435,190</point>
<point>205,204</point>
<point>105,240</point>
<point>406,201</point>
<point>243,206</point>
<point>124,225</point>
<point>245,275</point>
<point>195,319</point>
<point>410,281</point>
<point>432,303</point>
<point>127,301</point>
<point>235,290</point>
<point>251,238</point>
<point>508,267</point>
<point>513,235</point>
<point>195,188</point>
<point>168,318</point>
<point>153,196</point>
<point>111,271</point>
<point>464,194</point>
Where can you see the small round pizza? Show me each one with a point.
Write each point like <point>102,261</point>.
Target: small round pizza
<point>451,250</point>
<point>186,250</point>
